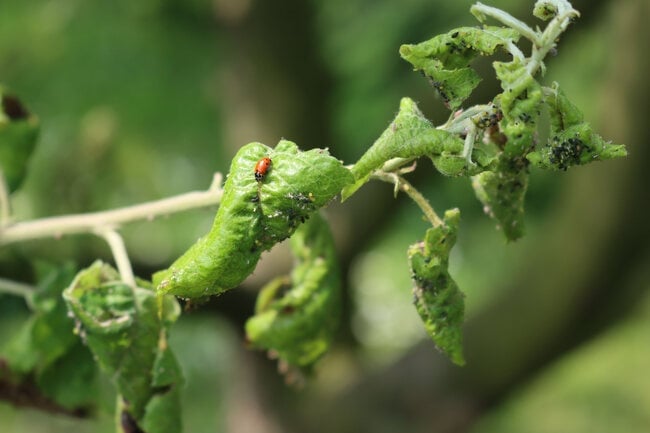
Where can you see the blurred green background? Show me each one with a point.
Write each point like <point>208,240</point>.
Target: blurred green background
<point>139,100</point>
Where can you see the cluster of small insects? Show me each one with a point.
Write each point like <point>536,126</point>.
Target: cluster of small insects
<point>567,153</point>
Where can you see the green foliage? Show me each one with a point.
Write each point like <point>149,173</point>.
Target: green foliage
<point>46,351</point>
<point>18,134</point>
<point>254,216</point>
<point>297,323</point>
<point>437,298</point>
<point>126,330</point>
<point>571,141</point>
<point>502,193</point>
<point>445,59</point>
<point>411,136</point>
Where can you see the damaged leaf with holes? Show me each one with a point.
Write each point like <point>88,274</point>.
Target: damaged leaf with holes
<point>45,355</point>
<point>296,318</point>
<point>127,335</point>
<point>572,140</point>
<point>18,135</point>
<point>254,216</point>
<point>445,59</point>
<point>437,298</point>
<point>411,135</point>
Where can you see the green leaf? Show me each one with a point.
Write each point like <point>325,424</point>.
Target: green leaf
<point>18,135</point>
<point>572,140</point>
<point>46,351</point>
<point>520,104</point>
<point>445,58</point>
<point>502,194</point>
<point>545,10</point>
<point>437,298</point>
<point>411,135</point>
<point>71,379</point>
<point>125,328</point>
<point>298,322</point>
<point>502,191</point>
<point>254,216</point>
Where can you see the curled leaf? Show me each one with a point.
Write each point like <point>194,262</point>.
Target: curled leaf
<point>254,215</point>
<point>296,317</point>
<point>411,135</point>
<point>545,10</point>
<point>438,300</point>
<point>125,328</point>
<point>502,191</point>
<point>520,105</point>
<point>502,194</point>
<point>572,140</point>
<point>445,58</point>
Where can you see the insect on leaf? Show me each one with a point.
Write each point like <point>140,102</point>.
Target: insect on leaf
<point>256,212</point>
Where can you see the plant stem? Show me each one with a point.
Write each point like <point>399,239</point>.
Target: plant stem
<point>120,255</point>
<point>16,288</point>
<point>479,10</point>
<point>547,39</point>
<point>414,194</point>
<point>112,219</point>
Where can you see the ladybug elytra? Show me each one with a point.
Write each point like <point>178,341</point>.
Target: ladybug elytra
<point>261,168</point>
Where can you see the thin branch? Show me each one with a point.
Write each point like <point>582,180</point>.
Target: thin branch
<point>120,255</point>
<point>15,288</point>
<point>90,222</point>
<point>414,194</point>
<point>480,10</point>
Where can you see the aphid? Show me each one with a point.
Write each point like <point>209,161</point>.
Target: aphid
<point>261,168</point>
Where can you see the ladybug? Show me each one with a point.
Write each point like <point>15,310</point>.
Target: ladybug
<point>261,168</point>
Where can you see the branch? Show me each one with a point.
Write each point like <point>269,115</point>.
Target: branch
<point>16,288</point>
<point>116,243</point>
<point>414,194</point>
<point>480,11</point>
<point>112,219</point>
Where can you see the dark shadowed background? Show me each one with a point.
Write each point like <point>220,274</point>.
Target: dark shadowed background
<point>141,100</point>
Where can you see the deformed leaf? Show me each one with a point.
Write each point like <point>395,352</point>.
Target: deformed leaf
<point>576,145</point>
<point>572,140</point>
<point>545,10</point>
<point>18,135</point>
<point>296,317</point>
<point>125,328</point>
<point>437,298</point>
<point>520,104</point>
<point>411,135</point>
<point>503,189</point>
<point>445,58</point>
<point>562,112</point>
<point>502,194</point>
<point>254,215</point>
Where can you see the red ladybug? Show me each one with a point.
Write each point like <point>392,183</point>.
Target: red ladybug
<point>261,168</point>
